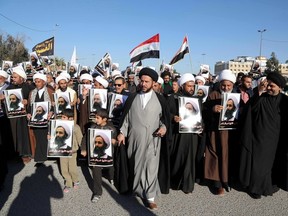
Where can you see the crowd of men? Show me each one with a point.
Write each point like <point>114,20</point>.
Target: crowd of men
<point>253,156</point>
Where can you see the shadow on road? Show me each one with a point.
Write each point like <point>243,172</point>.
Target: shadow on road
<point>35,193</point>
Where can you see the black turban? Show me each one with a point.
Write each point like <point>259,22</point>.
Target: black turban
<point>165,73</point>
<point>149,72</point>
<point>277,78</point>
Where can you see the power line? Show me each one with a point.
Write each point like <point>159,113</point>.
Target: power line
<point>24,25</point>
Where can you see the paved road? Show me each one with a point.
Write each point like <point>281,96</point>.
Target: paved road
<point>38,191</point>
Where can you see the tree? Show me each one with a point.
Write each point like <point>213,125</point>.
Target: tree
<point>272,64</point>
<point>13,49</point>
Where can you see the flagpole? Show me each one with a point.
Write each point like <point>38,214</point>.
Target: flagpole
<point>190,59</point>
<point>54,33</point>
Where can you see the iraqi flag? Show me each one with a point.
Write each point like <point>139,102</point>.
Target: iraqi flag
<point>181,52</point>
<point>148,49</point>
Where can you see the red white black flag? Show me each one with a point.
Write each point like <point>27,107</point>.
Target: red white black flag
<point>181,52</point>
<point>148,49</point>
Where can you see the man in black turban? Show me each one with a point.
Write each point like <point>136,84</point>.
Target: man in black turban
<point>263,155</point>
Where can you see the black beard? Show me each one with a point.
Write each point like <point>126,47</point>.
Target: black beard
<point>229,114</point>
<point>99,151</point>
<point>117,111</point>
<point>61,107</point>
<point>14,105</point>
<point>97,105</point>
<point>38,117</point>
<point>59,141</point>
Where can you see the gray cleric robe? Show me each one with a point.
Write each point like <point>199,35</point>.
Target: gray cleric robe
<point>143,149</point>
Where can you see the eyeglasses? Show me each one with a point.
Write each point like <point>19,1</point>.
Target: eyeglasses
<point>118,85</point>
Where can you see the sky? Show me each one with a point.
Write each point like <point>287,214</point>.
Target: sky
<point>216,30</point>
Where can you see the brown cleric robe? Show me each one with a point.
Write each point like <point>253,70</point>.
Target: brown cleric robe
<point>216,152</point>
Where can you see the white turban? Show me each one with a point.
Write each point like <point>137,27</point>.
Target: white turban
<point>20,71</point>
<point>227,75</point>
<point>61,77</point>
<point>86,76</point>
<point>104,137</point>
<point>205,75</point>
<point>102,81</point>
<point>3,74</point>
<point>185,78</point>
<point>66,127</point>
<point>200,78</point>
<point>116,65</point>
<point>160,80</point>
<point>67,75</point>
<point>16,93</point>
<point>234,99</point>
<point>40,76</point>
<point>115,73</point>
<point>64,96</point>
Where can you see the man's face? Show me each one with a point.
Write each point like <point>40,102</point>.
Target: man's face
<point>28,67</point>
<point>14,101</point>
<point>16,79</point>
<point>99,146</point>
<point>6,66</point>
<point>230,108</point>
<point>60,136</point>
<point>97,103</point>
<point>200,93</point>
<point>175,86</point>
<point>131,79</point>
<point>98,85</point>
<point>60,132</point>
<point>189,87</point>
<point>146,83</point>
<point>190,108</point>
<point>230,105</point>
<point>39,113</point>
<point>2,80</point>
<point>247,83</point>
<point>156,87</point>
<point>166,79</point>
<point>61,103</point>
<point>49,78</point>
<point>72,69</point>
<point>119,85</point>
<point>39,83</point>
<point>117,103</point>
<point>272,88</point>
<point>199,82</point>
<point>226,86</point>
<point>63,85</point>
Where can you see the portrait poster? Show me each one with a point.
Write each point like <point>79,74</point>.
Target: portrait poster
<point>62,101</point>
<point>13,101</point>
<point>201,91</point>
<point>104,66</point>
<point>84,88</point>
<point>40,111</point>
<point>7,66</point>
<point>61,138</point>
<point>190,114</point>
<point>229,114</point>
<point>100,148</point>
<point>117,105</point>
<point>97,100</point>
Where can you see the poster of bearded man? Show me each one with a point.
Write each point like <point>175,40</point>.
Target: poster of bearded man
<point>100,147</point>
<point>40,112</point>
<point>62,102</point>
<point>97,100</point>
<point>13,102</point>
<point>60,138</point>
<point>229,114</point>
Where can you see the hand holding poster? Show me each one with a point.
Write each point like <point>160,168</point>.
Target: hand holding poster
<point>229,114</point>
